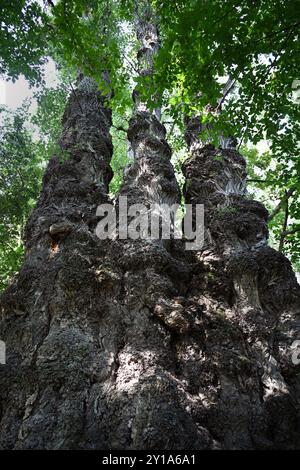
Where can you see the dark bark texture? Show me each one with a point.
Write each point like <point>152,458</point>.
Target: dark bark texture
<point>251,303</point>
<point>123,344</point>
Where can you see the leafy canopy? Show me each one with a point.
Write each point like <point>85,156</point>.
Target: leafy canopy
<point>23,39</point>
<point>20,177</point>
<point>203,43</point>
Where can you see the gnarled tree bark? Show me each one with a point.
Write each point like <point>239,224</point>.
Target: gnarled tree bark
<point>123,344</point>
<point>252,302</point>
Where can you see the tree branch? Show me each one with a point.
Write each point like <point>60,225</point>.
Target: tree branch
<point>285,222</point>
<point>120,128</point>
<point>257,180</point>
<point>226,92</point>
<point>291,231</point>
<point>277,209</point>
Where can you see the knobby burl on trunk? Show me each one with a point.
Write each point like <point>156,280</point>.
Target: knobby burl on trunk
<point>122,344</point>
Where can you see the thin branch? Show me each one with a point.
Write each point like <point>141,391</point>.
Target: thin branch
<point>171,129</point>
<point>285,222</point>
<point>291,231</point>
<point>288,28</point>
<point>226,92</point>
<point>257,180</point>
<point>8,245</point>
<point>120,128</point>
<point>130,63</point>
<point>278,208</point>
<point>225,14</point>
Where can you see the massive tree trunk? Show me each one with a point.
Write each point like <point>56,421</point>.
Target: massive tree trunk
<point>51,313</point>
<point>251,306</point>
<point>140,344</point>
